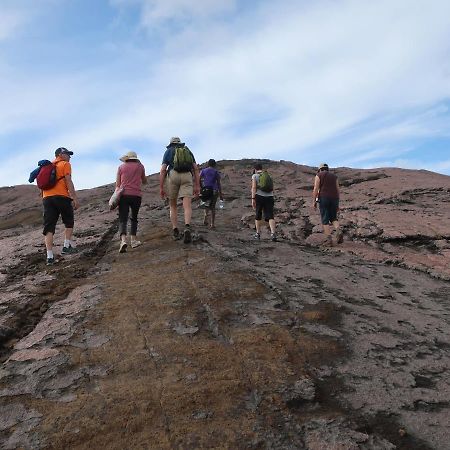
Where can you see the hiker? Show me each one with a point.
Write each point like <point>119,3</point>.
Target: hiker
<point>60,199</point>
<point>326,193</point>
<point>175,181</point>
<point>130,177</point>
<point>211,190</point>
<point>263,200</point>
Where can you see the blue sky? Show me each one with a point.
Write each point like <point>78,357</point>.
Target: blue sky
<point>355,83</point>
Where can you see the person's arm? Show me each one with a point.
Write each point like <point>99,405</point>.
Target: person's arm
<point>196,180</point>
<point>253,192</point>
<point>338,191</point>
<point>118,179</point>
<point>71,189</point>
<point>219,184</point>
<point>315,191</point>
<point>162,177</point>
<point>143,178</point>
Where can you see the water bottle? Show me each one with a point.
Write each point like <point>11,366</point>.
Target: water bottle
<point>221,205</point>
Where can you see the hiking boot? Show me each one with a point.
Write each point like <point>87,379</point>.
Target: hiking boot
<point>257,236</point>
<point>135,244</point>
<point>339,237</point>
<point>123,247</point>
<point>187,235</point>
<point>273,236</point>
<point>50,261</point>
<point>176,233</point>
<point>69,250</point>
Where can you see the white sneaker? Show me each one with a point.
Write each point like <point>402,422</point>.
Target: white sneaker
<point>135,244</point>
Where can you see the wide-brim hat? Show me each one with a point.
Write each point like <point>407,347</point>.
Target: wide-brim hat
<point>129,156</point>
<point>175,140</point>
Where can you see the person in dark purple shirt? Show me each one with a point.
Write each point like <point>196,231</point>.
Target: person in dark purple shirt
<point>326,193</point>
<point>210,179</point>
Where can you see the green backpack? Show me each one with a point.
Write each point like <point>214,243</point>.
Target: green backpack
<point>182,159</point>
<point>265,182</point>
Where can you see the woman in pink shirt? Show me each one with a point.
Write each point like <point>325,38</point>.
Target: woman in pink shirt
<point>130,177</point>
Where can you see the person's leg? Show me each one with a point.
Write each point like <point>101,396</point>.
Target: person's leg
<point>51,216</point>
<point>258,216</point>
<point>206,217</point>
<point>48,239</point>
<point>173,185</point>
<point>268,214</point>
<point>334,220</point>
<point>173,212</point>
<point>124,209</point>
<point>212,208</point>
<point>272,226</point>
<point>185,192</point>
<point>324,206</point>
<point>67,216</point>
<point>187,206</point>
<point>327,230</point>
<point>135,204</point>
<point>123,221</point>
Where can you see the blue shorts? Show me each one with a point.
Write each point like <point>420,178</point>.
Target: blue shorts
<point>328,210</point>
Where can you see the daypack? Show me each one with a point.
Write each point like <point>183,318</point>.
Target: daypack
<point>46,176</point>
<point>265,182</point>
<point>182,159</point>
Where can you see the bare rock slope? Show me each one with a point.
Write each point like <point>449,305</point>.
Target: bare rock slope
<point>228,342</point>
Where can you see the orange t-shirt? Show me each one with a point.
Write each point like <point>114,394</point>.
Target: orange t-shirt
<point>63,168</point>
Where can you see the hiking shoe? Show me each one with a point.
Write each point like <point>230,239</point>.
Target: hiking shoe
<point>187,235</point>
<point>123,247</point>
<point>50,261</point>
<point>328,242</point>
<point>257,236</point>
<point>273,237</point>
<point>339,237</point>
<point>176,233</point>
<point>69,250</point>
<point>135,244</point>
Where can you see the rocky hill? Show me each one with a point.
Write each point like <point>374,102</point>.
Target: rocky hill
<point>227,342</point>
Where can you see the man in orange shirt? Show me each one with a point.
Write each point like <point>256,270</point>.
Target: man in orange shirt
<point>58,201</point>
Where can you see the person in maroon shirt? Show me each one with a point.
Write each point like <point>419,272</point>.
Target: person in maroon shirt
<point>130,177</point>
<point>326,193</point>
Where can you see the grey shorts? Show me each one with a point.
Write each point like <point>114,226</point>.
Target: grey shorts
<point>328,210</point>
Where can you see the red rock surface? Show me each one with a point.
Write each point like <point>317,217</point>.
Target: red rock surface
<point>228,342</point>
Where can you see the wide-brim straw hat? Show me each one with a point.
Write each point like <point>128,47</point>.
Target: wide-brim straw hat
<point>130,156</point>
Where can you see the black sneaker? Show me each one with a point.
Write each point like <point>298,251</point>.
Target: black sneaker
<point>187,235</point>
<point>273,236</point>
<point>257,236</point>
<point>123,247</point>
<point>50,261</point>
<point>176,233</point>
<point>69,250</point>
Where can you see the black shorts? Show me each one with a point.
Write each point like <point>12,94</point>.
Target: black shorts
<point>53,207</point>
<point>328,210</point>
<point>264,204</point>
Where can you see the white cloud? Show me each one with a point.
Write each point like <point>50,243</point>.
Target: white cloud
<point>272,82</point>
